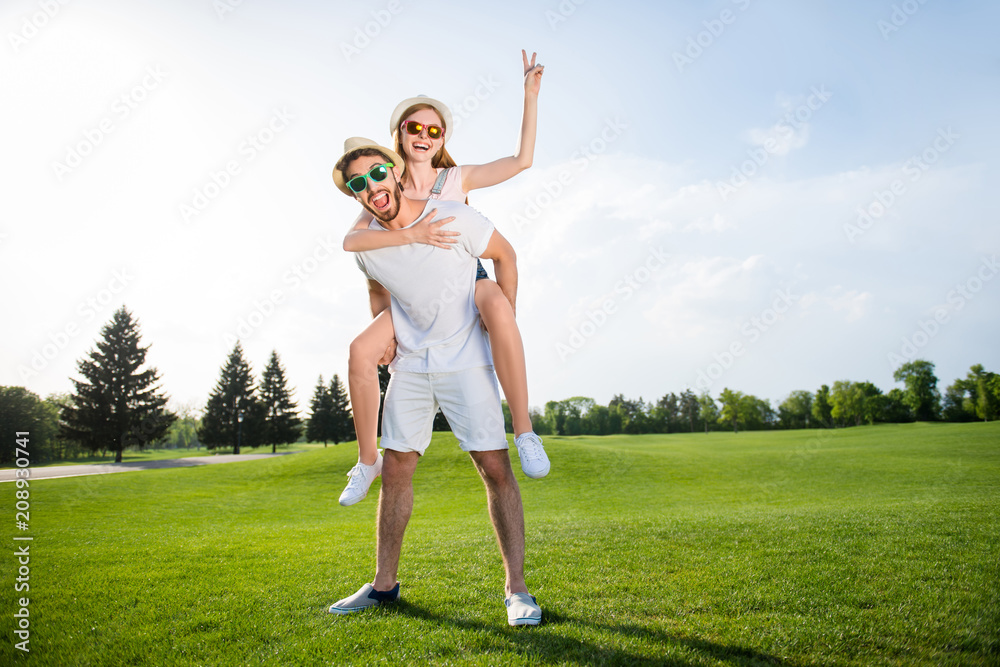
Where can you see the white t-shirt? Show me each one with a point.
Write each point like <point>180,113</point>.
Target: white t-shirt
<point>433,294</point>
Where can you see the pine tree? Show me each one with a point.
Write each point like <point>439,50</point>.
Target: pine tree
<point>281,419</point>
<point>232,412</point>
<point>341,419</point>
<point>116,405</point>
<point>320,411</point>
<point>690,407</point>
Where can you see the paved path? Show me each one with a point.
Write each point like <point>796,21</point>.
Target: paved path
<point>55,472</point>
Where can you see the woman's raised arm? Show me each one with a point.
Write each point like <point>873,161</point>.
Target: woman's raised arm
<point>498,171</point>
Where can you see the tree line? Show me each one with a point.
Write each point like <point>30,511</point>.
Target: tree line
<point>119,405</point>
<point>846,403</point>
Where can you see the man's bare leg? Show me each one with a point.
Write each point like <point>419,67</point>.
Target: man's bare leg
<point>507,513</point>
<point>395,504</point>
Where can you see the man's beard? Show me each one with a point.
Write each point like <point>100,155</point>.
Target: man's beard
<point>389,214</point>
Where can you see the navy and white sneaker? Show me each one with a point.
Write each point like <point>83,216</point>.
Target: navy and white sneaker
<point>363,599</point>
<point>522,609</point>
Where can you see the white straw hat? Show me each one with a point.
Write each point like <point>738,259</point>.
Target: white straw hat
<point>353,144</point>
<point>440,107</point>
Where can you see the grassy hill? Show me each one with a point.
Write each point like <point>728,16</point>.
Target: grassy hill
<point>862,546</point>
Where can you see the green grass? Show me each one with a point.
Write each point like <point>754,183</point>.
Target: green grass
<point>128,456</point>
<point>864,546</point>
<point>131,455</point>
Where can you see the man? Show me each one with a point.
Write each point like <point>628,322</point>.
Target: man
<point>442,359</point>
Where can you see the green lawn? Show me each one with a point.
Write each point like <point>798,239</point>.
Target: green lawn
<point>865,546</point>
<point>131,456</point>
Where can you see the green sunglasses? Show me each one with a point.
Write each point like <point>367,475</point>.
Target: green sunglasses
<point>377,173</point>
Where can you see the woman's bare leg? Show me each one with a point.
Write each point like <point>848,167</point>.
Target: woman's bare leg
<point>362,380</point>
<point>508,351</point>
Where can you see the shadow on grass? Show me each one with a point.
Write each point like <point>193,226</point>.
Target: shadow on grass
<point>555,648</point>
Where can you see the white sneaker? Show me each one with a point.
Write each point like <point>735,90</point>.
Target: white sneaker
<point>522,609</point>
<point>363,599</point>
<point>534,462</point>
<point>361,480</point>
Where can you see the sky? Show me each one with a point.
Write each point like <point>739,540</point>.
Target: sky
<point>764,196</point>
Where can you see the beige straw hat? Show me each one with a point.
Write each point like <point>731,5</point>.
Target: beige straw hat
<point>353,144</point>
<point>440,107</point>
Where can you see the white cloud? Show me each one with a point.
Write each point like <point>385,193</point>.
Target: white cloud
<point>582,228</point>
<point>729,262</point>
<point>779,139</point>
<point>853,305</point>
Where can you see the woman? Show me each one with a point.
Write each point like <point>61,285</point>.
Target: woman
<point>420,127</point>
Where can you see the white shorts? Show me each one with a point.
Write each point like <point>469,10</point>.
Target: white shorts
<point>469,399</point>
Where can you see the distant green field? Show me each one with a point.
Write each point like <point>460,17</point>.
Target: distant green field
<point>863,546</point>
<point>145,455</point>
<point>131,456</point>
